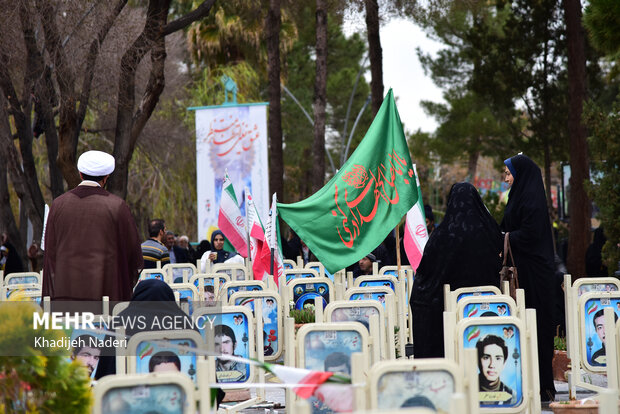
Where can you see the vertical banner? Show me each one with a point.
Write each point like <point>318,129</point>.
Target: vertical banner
<point>230,138</point>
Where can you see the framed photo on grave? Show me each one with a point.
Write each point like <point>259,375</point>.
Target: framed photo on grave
<point>158,352</point>
<point>377,281</point>
<point>232,330</point>
<point>302,292</point>
<point>501,352</point>
<point>163,393</point>
<point>596,284</point>
<point>22,278</point>
<point>299,273</point>
<point>179,272</point>
<point>242,286</point>
<point>592,327</point>
<point>378,293</point>
<point>403,384</point>
<point>234,271</point>
<point>87,345</point>
<point>461,293</point>
<point>483,306</point>
<point>328,347</point>
<point>272,319</point>
<point>361,311</point>
<point>11,291</point>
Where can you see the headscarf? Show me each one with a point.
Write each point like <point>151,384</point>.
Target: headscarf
<point>215,233</point>
<point>153,299</point>
<point>527,191</point>
<point>222,255</point>
<point>462,251</point>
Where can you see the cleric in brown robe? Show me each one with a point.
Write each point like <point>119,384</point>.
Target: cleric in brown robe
<point>92,247</point>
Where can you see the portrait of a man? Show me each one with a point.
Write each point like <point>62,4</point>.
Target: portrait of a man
<point>225,344</point>
<point>492,357</point>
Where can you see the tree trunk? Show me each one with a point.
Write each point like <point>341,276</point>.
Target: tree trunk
<point>375,53</point>
<point>272,32</point>
<point>46,95</point>
<point>472,165</point>
<point>579,206</point>
<point>130,125</point>
<point>123,145</point>
<point>9,161</point>
<point>547,174</point>
<point>320,96</point>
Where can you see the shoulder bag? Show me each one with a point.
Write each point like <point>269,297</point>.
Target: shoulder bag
<point>509,272</point>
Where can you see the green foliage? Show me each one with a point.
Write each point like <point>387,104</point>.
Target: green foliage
<point>305,315</point>
<point>38,380</point>
<point>601,20</point>
<point>504,72</point>
<point>467,126</point>
<point>604,143</point>
<point>559,343</point>
<point>234,32</point>
<point>207,89</point>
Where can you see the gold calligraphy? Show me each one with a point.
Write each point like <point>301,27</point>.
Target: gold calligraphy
<point>378,185</point>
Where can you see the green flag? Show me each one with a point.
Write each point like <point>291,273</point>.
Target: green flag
<point>353,213</point>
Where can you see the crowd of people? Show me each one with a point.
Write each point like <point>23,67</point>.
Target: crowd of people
<point>463,250</point>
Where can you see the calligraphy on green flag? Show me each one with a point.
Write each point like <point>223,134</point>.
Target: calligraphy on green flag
<point>354,212</point>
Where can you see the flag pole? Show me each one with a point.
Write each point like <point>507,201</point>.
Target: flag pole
<point>273,227</point>
<point>398,248</point>
<point>398,262</point>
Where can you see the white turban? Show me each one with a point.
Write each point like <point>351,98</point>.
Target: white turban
<point>95,163</point>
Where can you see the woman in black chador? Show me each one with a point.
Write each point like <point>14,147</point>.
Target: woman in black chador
<point>462,251</point>
<point>527,220</point>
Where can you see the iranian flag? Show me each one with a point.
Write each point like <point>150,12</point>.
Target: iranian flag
<point>416,234</point>
<point>257,237</point>
<point>272,244</point>
<point>230,220</point>
<point>353,213</point>
<point>333,390</point>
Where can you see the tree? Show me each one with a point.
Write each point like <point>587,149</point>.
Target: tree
<point>467,125</point>
<point>510,56</point>
<point>604,141</point>
<point>46,70</point>
<point>345,60</point>
<point>603,123</point>
<point>375,53</point>
<point>320,99</point>
<point>579,207</point>
<point>272,30</point>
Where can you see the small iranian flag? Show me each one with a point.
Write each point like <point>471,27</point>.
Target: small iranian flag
<point>333,390</point>
<point>148,350</point>
<point>416,234</point>
<point>272,241</point>
<point>257,237</point>
<point>472,312</point>
<point>230,220</point>
<point>474,332</point>
<point>592,308</point>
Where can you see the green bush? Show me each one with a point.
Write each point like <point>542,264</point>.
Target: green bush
<point>38,380</point>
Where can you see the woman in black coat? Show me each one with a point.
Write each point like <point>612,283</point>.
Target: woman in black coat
<point>527,220</point>
<point>462,251</point>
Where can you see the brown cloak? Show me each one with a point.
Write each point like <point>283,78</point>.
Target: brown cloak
<point>92,247</point>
